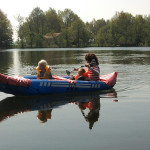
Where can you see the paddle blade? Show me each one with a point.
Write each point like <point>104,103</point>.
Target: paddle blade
<point>68,72</point>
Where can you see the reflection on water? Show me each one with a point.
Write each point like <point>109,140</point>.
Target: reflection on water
<point>131,64</point>
<point>123,125</point>
<point>23,62</point>
<point>94,107</point>
<point>44,105</point>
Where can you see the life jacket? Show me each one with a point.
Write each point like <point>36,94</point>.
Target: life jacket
<point>84,75</point>
<point>46,74</point>
<point>88,105</point>
<point>44,115</point>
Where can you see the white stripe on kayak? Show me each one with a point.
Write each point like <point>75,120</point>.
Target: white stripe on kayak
<point>59,86</point>
<point>78,86</point>
<point>83,86</point>
<point>48,84</point>
<point>41,83</point>
<point>55,83</point>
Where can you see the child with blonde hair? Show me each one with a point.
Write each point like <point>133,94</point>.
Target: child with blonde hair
<point>43,70</point>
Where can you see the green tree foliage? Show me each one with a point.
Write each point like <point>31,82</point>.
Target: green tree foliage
<point>66,29</point>
<point>79,34</point>
<point>52,21</point>
<point>21,31</point>
<point>147,31</point>
<point>104,36</point>
<point>68,17</point>
<point>139,28</point>
<point>121,25</point>
<point>125,30</point>
<point>31,30</point>
<point>5,32</point>
<point>94,27</point>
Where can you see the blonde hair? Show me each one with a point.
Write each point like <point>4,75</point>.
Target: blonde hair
<point>42,62</point>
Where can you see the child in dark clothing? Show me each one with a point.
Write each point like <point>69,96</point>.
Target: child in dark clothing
<point>81,71</point>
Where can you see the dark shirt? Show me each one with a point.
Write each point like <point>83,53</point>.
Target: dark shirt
<point>81,78</point>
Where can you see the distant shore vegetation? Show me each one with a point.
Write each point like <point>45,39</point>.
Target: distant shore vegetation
<point>6,32</point>
<point>66,29</point>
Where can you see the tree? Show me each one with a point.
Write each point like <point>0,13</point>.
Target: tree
<point>37,18</point>
<point>147,31</point>
<point>5,32</point>
<point>53,26</point>
<point>21,31</point>
<point>104,36</point>
<point>66,29</point>
<point>68,17</point>
<point>94,27</point>
<point>121,28</point>
<point>79,34</point>
<point>139,26</point>
<point>53,22</point>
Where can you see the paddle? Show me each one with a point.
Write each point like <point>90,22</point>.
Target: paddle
<point>75,69</point>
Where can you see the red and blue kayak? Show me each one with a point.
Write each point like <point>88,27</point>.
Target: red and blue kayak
<point>30,85</point>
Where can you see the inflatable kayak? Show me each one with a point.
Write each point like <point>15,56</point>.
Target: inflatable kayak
<point>30,85</point>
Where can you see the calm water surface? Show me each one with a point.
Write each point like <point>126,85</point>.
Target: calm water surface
<point>116,121</point>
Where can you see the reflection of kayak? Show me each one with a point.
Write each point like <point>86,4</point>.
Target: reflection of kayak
<point>15,105</point>
<point>29,85</point>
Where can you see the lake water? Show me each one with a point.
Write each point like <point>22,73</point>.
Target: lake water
<point>121,120</point>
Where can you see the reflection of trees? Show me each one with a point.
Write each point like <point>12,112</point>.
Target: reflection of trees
<point>31,58</point>
<point>12,106</point>
<point>64,57</point>
<point>123,56</point>
<point>131,57</point>
<point>52,57</point>
<point>6,60</point>
<point>70,57</point>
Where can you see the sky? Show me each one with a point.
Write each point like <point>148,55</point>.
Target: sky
<point>87,10</point>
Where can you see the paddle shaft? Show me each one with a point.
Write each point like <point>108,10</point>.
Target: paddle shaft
<point>68,72</point>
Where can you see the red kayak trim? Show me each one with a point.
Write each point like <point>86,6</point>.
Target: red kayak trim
<point>16,81</point>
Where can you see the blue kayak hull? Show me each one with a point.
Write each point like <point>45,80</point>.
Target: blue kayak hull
<point>45,86</point>
<point>49,87</point>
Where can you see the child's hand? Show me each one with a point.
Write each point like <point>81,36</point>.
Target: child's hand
<point>75,69</point>
<point>72,77</point>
